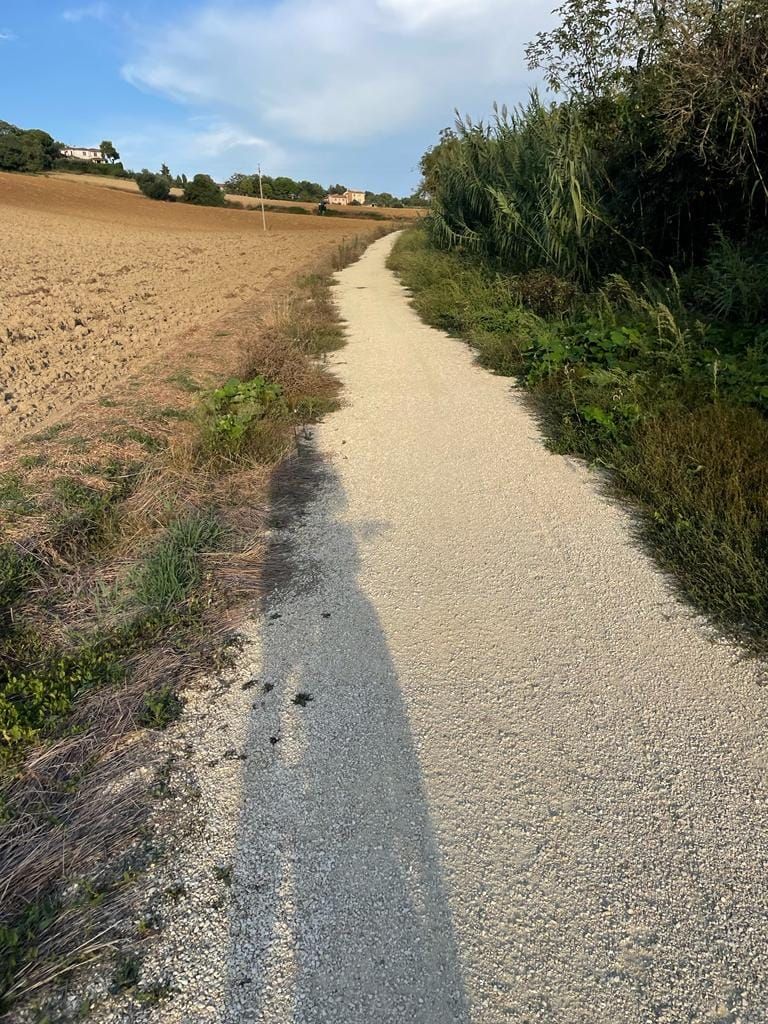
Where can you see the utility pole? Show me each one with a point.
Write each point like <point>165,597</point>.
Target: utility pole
<point>261,193</point>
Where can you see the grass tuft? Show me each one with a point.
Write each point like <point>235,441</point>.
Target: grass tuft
<point>168,575</point>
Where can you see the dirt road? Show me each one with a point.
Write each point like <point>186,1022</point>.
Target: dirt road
<point>522,783</point>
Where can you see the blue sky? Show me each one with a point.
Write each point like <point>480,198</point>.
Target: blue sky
<point>320,89</point>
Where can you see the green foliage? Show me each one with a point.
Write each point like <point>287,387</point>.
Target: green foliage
<point>203,191</point>
<point>108,151</point>
<point>231,414</point>
<point>84,513</point>
<point>153,186</point>
<point>524,193</point>
<point>160,708</point>
<point>26,150</point>
<point>733,282</point>
<point>167,577</point>
<point>657,147</point>
<point>115,170</point>
<point>14,496</point>
<point>17,941</point>
<point>17,570</point>
<point>36,695</point>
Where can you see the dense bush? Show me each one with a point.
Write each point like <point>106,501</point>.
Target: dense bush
<point>657,148</point>
<point>154,186</point>
<point>115,170</point>
<point>203,191</point>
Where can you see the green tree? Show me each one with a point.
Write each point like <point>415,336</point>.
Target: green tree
<point>13,155</point>
<point>26,149</point>
<point>235,183</point>
<point>108,151</point>
<point>203,191</point>
<point>310,191</point>
<point>284,188</point>
<point>165,171</point>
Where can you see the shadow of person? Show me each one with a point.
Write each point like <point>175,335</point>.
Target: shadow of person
<point>340,912</point>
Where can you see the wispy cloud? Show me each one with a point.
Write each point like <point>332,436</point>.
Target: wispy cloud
<point>197,143</point>
<point>6,36</point>
<point>330,72</point>
<point>97,11</point>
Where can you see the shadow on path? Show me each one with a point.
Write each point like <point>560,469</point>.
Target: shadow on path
<point>340,912</point>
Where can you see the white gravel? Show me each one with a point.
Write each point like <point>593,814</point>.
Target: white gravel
<point>529,787</point>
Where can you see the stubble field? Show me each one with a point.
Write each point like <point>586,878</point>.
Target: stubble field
<point>99,282</point>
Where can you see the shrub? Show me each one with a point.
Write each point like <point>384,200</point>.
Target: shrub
<point>733,283</point>
<point>153,186</point>
<point>115,170</point>
<point>546,293</point>
<point>203,191</point>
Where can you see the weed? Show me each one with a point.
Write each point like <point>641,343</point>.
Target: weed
<point>17,940</point>
<point>233,415</point>
<point>148,441</point>
<point>171,413</point>
<point>160,709</point>
<point>32,461</point>
<point>168,575</point>
<point>50,432</point>
<point>14,496</point>
<point>152,994</point>
<point>38,684</point>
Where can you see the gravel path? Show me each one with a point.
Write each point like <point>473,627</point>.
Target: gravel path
<point>529,786</point>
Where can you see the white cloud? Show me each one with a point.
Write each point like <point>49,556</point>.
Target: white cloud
<point>98,11</point>
<point>198,144</point>
<point>6,37</point>
<point>326,71</point>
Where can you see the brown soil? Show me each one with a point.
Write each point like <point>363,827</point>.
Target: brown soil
<point>100,282</point>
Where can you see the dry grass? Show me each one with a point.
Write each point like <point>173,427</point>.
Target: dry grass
<point>248,202</point>
<point>75,800</point>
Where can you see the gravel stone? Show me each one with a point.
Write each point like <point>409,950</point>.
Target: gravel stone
<point>530,785</point>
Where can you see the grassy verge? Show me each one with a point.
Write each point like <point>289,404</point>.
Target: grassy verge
<point>632,381</point>
<point>130,542</point>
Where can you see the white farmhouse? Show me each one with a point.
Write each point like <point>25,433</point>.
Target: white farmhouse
<point>89,153</point>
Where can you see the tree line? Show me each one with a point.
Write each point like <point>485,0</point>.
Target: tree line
<point>34,150</point>
<point>31,149</point>
<point>304,191</point>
